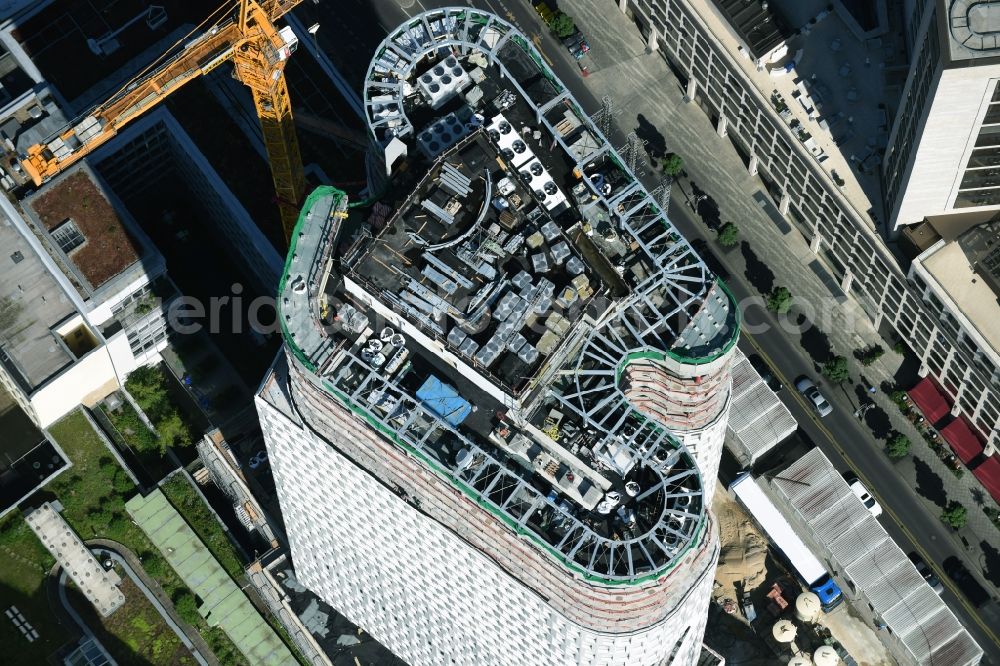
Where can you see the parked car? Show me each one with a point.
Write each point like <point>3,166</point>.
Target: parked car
<point>862,494</point>
<point>765,372</point>
<point>965,581</point>
<point>926,572</point>
<point>808,389</point>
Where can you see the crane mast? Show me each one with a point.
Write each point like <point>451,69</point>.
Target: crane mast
<point>259,51</point>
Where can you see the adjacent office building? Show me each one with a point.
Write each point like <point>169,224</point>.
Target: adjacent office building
<point>706,52</point>
<point>944,150</point>
<point>498,418</point>
<point>84,296</point>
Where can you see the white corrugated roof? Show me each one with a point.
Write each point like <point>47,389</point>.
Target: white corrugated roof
<point>812,489</point>
<point>778,529</point>
<point>758,420</point>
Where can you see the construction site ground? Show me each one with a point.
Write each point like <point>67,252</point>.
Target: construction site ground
<point>746,563</point>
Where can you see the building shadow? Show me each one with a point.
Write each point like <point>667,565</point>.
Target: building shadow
<point>929,485</point>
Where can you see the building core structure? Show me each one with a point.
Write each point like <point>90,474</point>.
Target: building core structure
<point>497,423</point>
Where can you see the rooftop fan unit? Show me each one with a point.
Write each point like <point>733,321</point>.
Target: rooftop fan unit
<point>525,176</point>
<point>494,135</point>
<point>507,153</point>
<point>519,146</point>
<point>550,188</point>
<point>441,83</point>
<point>536,169</point>
<point>504,127</point>
<point>441,135</point>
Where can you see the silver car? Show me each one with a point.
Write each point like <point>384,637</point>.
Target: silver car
<point>812,394</point>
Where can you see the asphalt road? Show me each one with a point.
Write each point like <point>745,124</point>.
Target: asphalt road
<point>850,446</point>
<point>841,436</point>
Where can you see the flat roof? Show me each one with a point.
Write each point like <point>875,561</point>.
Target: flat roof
<point>223,603</point>
<point>107,247</point>
<point>99,586</point>
<point>31,304</point>
<point>865,554</point>
<point>972,29</point>
<point>949,265</point>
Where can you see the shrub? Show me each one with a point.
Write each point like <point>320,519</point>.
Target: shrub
<point>899,347</point>
<point>562,24</point>
<point>898,445</point>
<point>729,235</point>
<point>836,370</point>
<point>672,164</point>
<point>955,515</point>
<point>121,483</point>
<point>779,300</point>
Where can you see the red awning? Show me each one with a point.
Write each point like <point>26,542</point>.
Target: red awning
<point>929,400</point>
<point>965,443</point>
<point>989,475</point>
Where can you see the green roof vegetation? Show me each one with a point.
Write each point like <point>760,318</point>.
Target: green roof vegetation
<point>189,504</point>
<point>220,600</point>
<point>93,494</point>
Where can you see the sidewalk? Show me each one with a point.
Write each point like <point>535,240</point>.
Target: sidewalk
<point>641,85</point>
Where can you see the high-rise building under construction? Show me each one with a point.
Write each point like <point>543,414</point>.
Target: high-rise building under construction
<point>497,423</point>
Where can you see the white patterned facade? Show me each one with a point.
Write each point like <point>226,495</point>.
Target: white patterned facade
<point>420,588</point>
<point>423,590</point>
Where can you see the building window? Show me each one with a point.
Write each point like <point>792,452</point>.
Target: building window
<point>68,236</point>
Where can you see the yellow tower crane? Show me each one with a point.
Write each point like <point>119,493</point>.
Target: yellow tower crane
<point>258,50</point>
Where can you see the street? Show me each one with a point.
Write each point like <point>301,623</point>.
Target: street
<point>841,436</point>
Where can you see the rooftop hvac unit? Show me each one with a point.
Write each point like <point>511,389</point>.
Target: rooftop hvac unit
<point>441,135</point>
<point>442,82</point>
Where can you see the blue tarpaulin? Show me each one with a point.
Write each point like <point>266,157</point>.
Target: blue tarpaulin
<point>443,400</point>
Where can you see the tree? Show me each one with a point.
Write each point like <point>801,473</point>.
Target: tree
<point>729,235</point>
<point>146,384</point>
<point>672,164</point>
<point>898,445</point>
<point>562,24</point>
<point>779,300</point>
<point>955,515</point>
<point>172,431</point>
<point>186,606</point>
<point>836,370</point>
